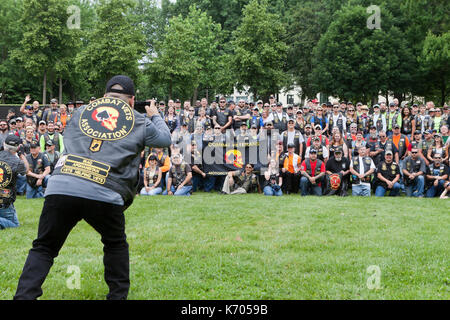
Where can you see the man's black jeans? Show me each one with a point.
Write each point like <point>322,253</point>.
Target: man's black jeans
<point>59,215</point>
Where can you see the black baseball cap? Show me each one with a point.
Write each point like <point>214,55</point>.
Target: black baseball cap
<point>34,144</point>
<point>13,140</point>
<point>49,143</point>
<point>312,151</point>
<point>124,81</point>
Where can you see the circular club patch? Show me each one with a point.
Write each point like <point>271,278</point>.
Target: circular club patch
<point>107,119</point>
<point>5,174</point>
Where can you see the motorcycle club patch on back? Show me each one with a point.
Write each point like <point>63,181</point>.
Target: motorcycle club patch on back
<point>106,119</point>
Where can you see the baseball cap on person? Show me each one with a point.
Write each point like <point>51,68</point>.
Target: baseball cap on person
<point>42,122</point>
<point>388,152</point>
<point>338,150</point>
<point>49,143</point>
<point>29,107</point>
<point>428,132</point>
<point>417,132</point>
<point>376,106</point>
<point>124,81</point>
<point>13,140</point>
<point>312,151</point>
<point>391,104</point>
<point>34,144</point>
<point>396,126</point>
<point>53,101</point>
<point>19,119</point>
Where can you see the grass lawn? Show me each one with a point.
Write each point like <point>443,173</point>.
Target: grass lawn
<point>211,246</point>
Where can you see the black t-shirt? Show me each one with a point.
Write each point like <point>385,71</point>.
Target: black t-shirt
<point>388,171</point>
<point>337,166</point>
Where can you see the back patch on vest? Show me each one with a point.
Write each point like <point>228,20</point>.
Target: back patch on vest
<point>84,168</point>
<point>106,119</point>
<point>5,174</point>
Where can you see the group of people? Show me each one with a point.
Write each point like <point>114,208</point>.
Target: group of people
<point>315,149</point>
<point>318,149</point>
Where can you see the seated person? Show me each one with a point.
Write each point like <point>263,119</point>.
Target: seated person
<point>388,176</point>
<point>312,171</point>
<point>361,167</point>
<point>338,173</point>
<point>437,174</point>
<point>241,181</point>
<point>179,182</point>
<point>38,172</point>
<point>152,178</point>
<point>273,180</point>
<point>413,174</point>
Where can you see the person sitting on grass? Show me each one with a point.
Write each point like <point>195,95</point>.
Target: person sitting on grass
<point>179,182</point>
<point>241,181</point>
<point>273,180</point>
<point>446,190</point>
<point>152,178</point>
<point>388,176</point>
<point>437,174</point>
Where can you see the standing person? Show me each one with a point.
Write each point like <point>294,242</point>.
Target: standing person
<point>292,136</point>
<point>51,154</point>
<point>101,201</point>
<point>408,126</point>
<point>388,175</point>
<point>54,136</point>
<point>11,165</point>
<point>378,120</point>
<point>4,131</point>
<point>52,114</point>
<point>291,170</point>
<point>336,119</point>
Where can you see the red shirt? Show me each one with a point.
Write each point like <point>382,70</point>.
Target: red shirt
<point>313,168</point>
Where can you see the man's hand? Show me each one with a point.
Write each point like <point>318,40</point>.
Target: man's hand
<point>151,110</point>
<point>170,193</point>
<point>390,184</point>
<point>204,175</point>
<point>27,98</point>
<point>147,189</point>
<point>312,180</point>
<point>436,182</point>
<point>39,183</point>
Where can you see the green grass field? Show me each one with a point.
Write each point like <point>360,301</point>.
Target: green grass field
<point>211,246</point>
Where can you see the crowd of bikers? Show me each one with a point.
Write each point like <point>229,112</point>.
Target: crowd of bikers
<point>320,148</point>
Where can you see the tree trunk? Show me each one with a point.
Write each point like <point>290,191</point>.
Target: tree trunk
<point>60,90</point>
<point>207,95</point>
<point>170,89</point>
<point>44,89</point>
<point>443,91</point>
<point>194,98</point>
